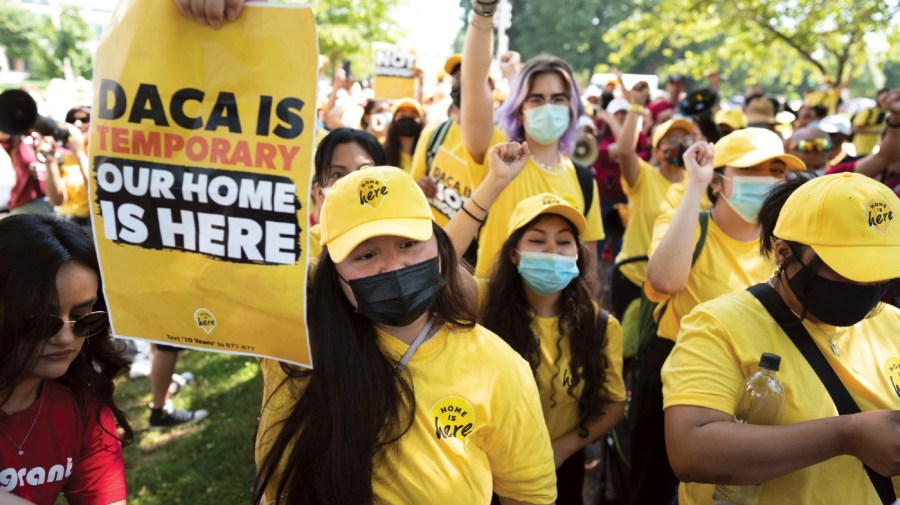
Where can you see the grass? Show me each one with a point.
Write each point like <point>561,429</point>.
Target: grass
<point>207,463</point>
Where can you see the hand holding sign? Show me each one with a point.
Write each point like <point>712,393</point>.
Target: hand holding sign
<point>211,12</point>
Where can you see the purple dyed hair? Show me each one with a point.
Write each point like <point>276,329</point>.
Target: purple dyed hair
<point>509,111</point>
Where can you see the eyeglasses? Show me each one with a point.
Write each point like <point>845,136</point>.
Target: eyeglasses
<point>819,145</point>
<point>88,325</point>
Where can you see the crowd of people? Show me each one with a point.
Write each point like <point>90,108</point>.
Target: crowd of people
<point>506,304</point>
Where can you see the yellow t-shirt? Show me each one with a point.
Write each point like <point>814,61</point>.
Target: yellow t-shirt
<point>453,170</point>
<point>405,161</point>
<point>651,195</point>
<point>477,425</point>
<point>724,265</point>
<point>76,204</point>
<point>868,118</point>
<point>719,347</point>
<point>534,180</point>
<point>554,374</point>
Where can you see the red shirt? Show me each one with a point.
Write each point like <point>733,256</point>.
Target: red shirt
<point>67,451</point>
<point>657,106</point>
<point>27,187</point>
<point>608,173</point>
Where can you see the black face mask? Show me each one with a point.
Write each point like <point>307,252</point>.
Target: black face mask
<point>833,302</point>
<point>398,298</point>
<point>674,156</point>
<point>407,127</point>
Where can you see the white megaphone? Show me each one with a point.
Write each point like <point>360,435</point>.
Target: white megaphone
<point>586,150</point>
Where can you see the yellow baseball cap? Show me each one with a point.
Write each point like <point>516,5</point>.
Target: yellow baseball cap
<point>661,130</point>
<point>849,221</point>
<point>545,203</point>
<point>750,147</point>
<point>735,118</point>
<point>370,203</point>
<point>409,103</point>
<point>452,62</point>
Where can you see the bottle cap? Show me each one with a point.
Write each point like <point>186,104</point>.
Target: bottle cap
<point>770,361</point>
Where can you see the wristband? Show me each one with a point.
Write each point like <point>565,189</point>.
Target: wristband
<point>479,221</point>
<point>636,108</point>
<point>484,9</point>
<point>480,26</point>
<point>890,124</point>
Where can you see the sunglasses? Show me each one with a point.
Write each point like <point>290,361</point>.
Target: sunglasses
<point>818,145</point>
<point>88,325</point>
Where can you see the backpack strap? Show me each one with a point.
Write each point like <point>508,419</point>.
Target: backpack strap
<point>586,181</point>
<point>434,143</point>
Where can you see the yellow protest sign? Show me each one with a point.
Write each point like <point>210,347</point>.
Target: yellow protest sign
<point>394,72</point>
<point>201,155</point>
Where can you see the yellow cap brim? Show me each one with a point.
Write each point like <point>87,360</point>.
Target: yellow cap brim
<point>566,211</point>
<point>754,158</point>
<point>856,262</point>
<point>412,228</point>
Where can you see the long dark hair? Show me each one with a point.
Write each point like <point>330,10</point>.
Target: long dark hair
<point>355,403</point>
<point>338,136</point>
<point>582,326</point>
<point>33,247</point>
<point>392,144</point>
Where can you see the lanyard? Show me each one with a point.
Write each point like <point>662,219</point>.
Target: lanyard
<point>420,339</point>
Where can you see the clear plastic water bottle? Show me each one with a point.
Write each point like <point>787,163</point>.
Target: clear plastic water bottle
<point>760,403</point>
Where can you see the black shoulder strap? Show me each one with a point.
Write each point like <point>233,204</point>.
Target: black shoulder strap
<point>586,181</point>
<point>434,143</point>
<point>704,226</point>
<point>839,395</point>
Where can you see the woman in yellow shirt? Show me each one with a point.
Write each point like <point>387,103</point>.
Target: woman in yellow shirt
<point>836,242</point>
<point>735,174</point>
<point>409,400</point>
<point>538,300</point>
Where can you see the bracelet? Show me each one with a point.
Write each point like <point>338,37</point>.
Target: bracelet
<point>464,209</point>
<point>484,9</point>
<point>479,206</point>
<point>890,124</point>
<point>480,26</point>
<point>636,108</point>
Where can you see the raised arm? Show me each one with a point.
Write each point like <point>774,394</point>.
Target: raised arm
<point>505,162</point>
<point>874,164</point>
<point>629,162</point>
<point>476,116</point>
<point>670,264</point>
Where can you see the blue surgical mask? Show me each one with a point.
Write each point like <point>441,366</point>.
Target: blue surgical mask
<point>748,194</point>
<point>547,273</point>
<point>547,124</point>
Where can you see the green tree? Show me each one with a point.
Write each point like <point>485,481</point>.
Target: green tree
<point>783,44</point>
<point>66,37</point>
<point>347,28</point>
<point>19,32</point>
<point>570,29</point>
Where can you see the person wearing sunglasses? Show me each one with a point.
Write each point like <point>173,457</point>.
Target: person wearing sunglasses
<point>811,145</point>
<point>61,431</point>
